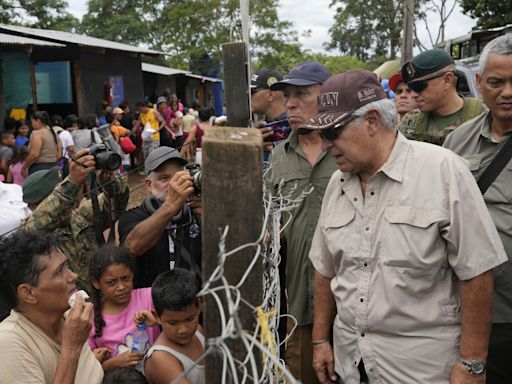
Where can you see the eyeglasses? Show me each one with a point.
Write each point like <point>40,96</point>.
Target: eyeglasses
<point>420,85</point>
<point>332,133</point>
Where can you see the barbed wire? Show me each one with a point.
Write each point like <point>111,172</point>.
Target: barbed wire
<point>264,340</point>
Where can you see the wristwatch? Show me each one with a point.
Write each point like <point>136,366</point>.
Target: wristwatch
<point>475,367</point>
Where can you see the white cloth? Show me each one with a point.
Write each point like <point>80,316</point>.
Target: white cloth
<point>66,140</point>
<point>12,207</point>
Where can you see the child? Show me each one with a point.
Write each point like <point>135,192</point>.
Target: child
<point>115,304</point>
<point>181,344</point>
<point>14,174</point>
<point>7,142</point>
<point>21,133</point>
<point>124,376</point>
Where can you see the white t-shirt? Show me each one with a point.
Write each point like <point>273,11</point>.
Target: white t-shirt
<point>12,207</point>
<point>66,140</point>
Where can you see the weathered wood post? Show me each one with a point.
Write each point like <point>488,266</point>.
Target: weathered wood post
<point>236,84</point>
<point>232,196</point>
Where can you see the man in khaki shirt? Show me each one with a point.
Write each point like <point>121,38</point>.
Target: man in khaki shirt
<point>38,344</point>
<point>478,141</point>
<point>403,251</point>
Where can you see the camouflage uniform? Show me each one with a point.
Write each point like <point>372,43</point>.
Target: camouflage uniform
<point>414,125</point>
<point>75,226</point>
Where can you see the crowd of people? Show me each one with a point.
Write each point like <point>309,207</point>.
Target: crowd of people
<point>395,263</point>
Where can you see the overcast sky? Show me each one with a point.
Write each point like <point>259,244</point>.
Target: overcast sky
<point>318,17</point>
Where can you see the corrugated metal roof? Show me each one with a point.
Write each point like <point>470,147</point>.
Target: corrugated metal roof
<point>161,70</point>
<point>75,38</point>
<point>205,78</point>
<point>19,40</point>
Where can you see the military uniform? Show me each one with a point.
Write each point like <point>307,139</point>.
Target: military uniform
<point>75,227</point>
<point>415,125</point>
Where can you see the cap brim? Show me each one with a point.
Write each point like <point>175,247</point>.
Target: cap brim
<point>280,85</point>
<point>157,163</point>
<point>328,120</point>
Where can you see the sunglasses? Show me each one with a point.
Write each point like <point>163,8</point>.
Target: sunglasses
<point>420,85</point>
<point>332,134</point>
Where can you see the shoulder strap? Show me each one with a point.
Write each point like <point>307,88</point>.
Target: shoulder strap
<point>494,169</point>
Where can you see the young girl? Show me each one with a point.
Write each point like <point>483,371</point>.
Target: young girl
<point>115,304</point>
<point>21,133</point>
<point>14,174</point>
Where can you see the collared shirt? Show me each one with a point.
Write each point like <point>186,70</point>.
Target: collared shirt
<point>395,256</point>
<point>306,185</point>
<point>473,141</point>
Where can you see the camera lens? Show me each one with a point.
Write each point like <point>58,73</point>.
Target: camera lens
<point>107,160</point>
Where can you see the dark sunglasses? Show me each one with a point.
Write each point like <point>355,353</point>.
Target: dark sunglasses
<point>331,134</point>
<point>420,85</point>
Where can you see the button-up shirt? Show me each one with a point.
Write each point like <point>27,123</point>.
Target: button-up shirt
<point>294,177</point>
<point>473,141</point>
<point>395,257</point>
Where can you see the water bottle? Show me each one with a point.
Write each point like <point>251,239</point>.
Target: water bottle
<point>140,342</point>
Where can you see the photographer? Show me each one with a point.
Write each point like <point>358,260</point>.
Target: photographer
<point>164,231</point>
<point>56,208</point>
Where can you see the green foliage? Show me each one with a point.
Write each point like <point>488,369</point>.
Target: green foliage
<point>490,13</point>
<point>45,14</point>
<point>188,30</point>
<point>367,28</point>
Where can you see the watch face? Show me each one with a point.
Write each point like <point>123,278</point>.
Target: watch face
<point>477,367</point>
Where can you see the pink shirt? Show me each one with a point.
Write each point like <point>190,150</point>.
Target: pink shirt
<point>17,177</point>
<point>119,328</point>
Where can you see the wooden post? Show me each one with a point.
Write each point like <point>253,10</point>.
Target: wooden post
<point>408,28</point>
<point>232,196</point>
<point>236,84</point>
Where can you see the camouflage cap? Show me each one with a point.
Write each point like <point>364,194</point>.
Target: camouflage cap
<point>40,184</point>
<point>425,63</point>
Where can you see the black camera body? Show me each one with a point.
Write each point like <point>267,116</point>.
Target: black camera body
<point>104,157</point>
<point>195,172</point>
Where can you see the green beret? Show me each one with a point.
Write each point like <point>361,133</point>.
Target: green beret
<point>426,62</point>
<point>40,184</point>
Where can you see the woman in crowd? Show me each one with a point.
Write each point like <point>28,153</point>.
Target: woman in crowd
<point>45,148</point>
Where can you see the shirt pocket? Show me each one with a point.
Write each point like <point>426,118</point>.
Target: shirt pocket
<point>412,239</point>
<point>340,235</point>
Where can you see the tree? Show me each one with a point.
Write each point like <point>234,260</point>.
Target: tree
<point>188,29</point>
<point>45,14</point>
<point>364,29</point>
<point>490,13</point>
<point>443,9</point>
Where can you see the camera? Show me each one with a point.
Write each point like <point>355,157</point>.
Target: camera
<point>104,157</point>
<point>195,172</point>
<point>106,152</point>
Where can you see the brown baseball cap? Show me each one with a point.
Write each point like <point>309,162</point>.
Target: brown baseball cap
<point>342,94</point>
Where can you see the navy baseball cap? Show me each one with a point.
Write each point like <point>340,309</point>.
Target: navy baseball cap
<point>264,78</point>
<point>304,74</point>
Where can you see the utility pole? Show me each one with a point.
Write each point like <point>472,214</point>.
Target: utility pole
<point>407,43</point>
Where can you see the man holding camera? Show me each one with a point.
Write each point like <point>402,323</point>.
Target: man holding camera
<point>56,208</point>
<point>164,231</point>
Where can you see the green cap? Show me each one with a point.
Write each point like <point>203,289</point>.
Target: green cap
<point>425,63</point>
<point>40,184</point>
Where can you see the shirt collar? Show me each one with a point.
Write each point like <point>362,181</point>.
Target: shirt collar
<point>395,164</point>
<point>485,130</point>
<point>293,140</point>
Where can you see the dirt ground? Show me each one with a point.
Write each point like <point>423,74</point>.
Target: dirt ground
<point>137,190</point>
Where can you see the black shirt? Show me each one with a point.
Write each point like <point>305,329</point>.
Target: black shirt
<point>187,248</point>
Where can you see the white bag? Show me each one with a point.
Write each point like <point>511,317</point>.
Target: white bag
<point>147,132</point>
